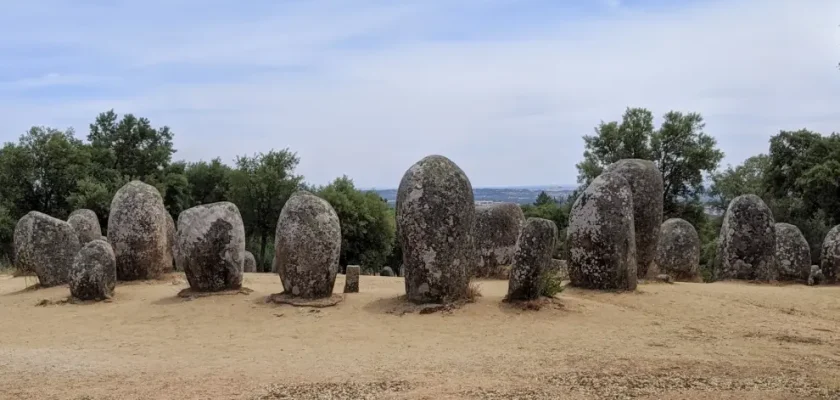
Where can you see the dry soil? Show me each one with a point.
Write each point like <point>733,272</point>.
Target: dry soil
<point>680,341</point>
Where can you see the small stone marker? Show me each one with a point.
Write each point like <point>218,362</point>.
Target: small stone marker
<point>351,279</point>
<point>387,271</point>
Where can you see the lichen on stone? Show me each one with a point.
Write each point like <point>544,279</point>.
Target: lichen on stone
<point>46,246</point>
<point>211,246</point>
<point>532,259</point>
<point>137,231</point>
<point>497,228</point>
<point>747,241</point>
<point>678,251</point>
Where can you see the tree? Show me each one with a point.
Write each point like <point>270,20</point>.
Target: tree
<point>543,198</point>
<point>367,233</point>
<point>747,178</point>
<point>260,186</point>
<point>209,182</point>
<point>130,146</point>
<point>679,148</point>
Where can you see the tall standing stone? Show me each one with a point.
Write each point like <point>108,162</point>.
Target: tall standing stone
<point>94,272</point>
<point>435,212</point>
<point>46,246</point>
<point>497,228</point>
<point>647,186</point>
<point>601,236</point>
<point>830,255</point>
<point>747,242</point>
<point>250,264</point>
<point>172,238</point>
<point>137,230</point>
<point>351,279</point>
<point>211,244</point>
<point>678,251</point>
<point>793,254</point>
<point>307,246</point>
<point>86,224</point>
<point>532,259</point>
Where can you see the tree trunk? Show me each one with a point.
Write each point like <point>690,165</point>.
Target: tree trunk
<point>263,238</point>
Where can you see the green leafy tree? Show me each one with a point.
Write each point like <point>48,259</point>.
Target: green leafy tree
<point>260,185</point>
<point>747,178</point>
<point>367,232</point>
<point>209,181</point>
<point>130,146</point>
<point>543,198</point>
<point>679,148</point>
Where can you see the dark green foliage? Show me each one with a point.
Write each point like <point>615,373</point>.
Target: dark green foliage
<point>130,146</point>
<point>552,285</point>
<point>549,208</point>
<point>209,182</point>
<point>367,230</point>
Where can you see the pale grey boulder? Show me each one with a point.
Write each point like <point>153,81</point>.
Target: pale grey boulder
<point>250,264</point>
<point>138,233</point>
<point>747,242</point>
<point>601,236</point>
<point>532,259</point>
<point>646,183</point>
<point>46,246</point>
<point>86,224</point>
<point>94,272</point>
<point>307,246</point>
<point>497,228</point>
<point>830,255</point>
<point>435,213</point>
<point>678,251</point>
<point>211,246</point>
<point>793,254</point>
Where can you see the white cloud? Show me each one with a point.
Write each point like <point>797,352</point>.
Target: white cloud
<point>509,110</point>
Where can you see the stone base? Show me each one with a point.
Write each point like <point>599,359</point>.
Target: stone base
<point>284,298</point>
<point>351,287</point>
<point>189,293</point>
<point>534,305</point>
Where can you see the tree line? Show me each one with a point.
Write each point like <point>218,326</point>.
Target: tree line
<point>55,172</point>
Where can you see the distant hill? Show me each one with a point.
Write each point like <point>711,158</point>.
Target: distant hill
<point>519,195</point>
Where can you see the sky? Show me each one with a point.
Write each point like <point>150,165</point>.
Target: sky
<point>365,88</point>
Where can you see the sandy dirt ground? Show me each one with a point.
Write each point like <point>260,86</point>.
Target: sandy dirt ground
<point>681,341</point>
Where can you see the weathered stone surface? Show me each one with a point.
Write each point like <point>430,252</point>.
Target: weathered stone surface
<point>94,272</point>
<point>532,259</point>
<point>137,232</point>
<point>678,251</point>
<point>46,246</point>
<point>211,245</point>
<point>747,242</point>
<point>646,183</point>
<point>815,277</point>
<point>665,278</point>
<point>386,271</point>
<point>351,279</point>
<point>172,238</point>
<point>250,263</point>
<point>793,254</point>
<point>497,228</point>
<point>307,246</point>
<point>830,255</point>
<point>560,268</point>
<point>435,214</point>
<point>601,237</point>
<point>86,224</point>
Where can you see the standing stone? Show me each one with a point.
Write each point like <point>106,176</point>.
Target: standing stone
<point>678,251</point>
<point>816,276</point>
<point>601,237</point>
<point>94,272</point>
<point>435,212</point>
<point>138,233</point>
<point>497,227</point>
<point>172,238</point>
<point>386,271</point>
<point>46,246</point>
<point>560,268</point>
<point>351,279</point>
<point>793,254</point>
<point>830,255</point>
<point>86,224</point>
<point>211,244</point>
<point>747,242</point>
<point>250,264</point>
<point>307,246</point>
<point>532,259</point>
<point>647,186</point>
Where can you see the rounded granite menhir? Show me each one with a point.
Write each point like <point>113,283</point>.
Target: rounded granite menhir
<point>646,183</point>
<point>211,246</point>
<point>532,259</point>
<point>86,224</point>
<point>497,228</point>
<point>793,254</point>
<point>435,212</point>
<point>747,241</point>
<point>678,252</point>
<point>307,246</point>
<point>94,272</point>
<point>137,230</point>
<point>601,236</point>
<point>46,246</point>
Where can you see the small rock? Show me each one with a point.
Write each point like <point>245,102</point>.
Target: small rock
<point>94,272</point>
<point>387,271</point>
<point>351,279</point>
<point>250,264</point>
<point>816,276</point>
